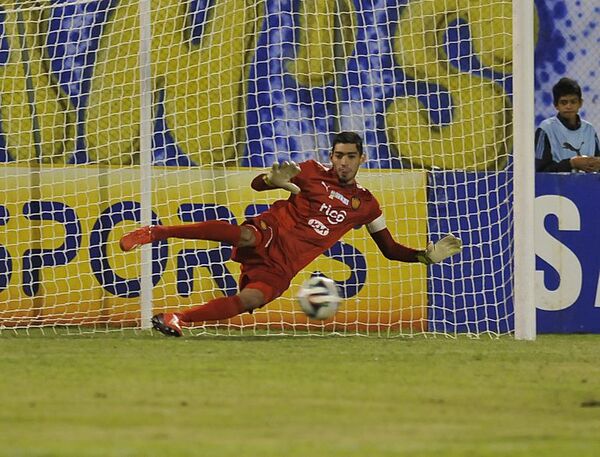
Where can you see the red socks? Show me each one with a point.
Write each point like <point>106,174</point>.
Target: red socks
<point>219,308</point>
<point>208,230</point>
<point>215,310</point>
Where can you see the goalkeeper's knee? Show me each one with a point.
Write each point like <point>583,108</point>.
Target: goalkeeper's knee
<point>252,298</point>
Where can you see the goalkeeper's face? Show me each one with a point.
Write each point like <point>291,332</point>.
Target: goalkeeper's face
<point>346,160</point>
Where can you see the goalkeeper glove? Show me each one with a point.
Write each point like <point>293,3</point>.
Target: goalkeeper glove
<point>280,175</point>
<point>436,252</point>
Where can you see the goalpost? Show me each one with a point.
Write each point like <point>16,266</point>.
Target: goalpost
<point>524,180</point>
<point>116,114</point>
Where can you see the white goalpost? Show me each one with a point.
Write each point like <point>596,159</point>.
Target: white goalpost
<point>146,156</point>
<point>524,179</point>
<point>116,114</point>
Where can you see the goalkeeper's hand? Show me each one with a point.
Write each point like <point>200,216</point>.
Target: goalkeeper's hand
<point>436,252</point>
<point>280,175</point>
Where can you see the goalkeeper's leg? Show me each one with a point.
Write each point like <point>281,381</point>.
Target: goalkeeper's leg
<point>210,230</point>
<point>260,283</point>
<point>215,310</point>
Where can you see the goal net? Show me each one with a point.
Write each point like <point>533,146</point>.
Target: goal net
<point>121,113</point>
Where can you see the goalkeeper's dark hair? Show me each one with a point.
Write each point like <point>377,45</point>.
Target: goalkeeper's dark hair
<point>565,86</point>
<point>348,138</point>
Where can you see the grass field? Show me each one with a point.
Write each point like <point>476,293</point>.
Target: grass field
<point>142,395</point>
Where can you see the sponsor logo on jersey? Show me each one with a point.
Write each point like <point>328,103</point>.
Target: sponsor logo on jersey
<point>334,194</point>
<point>570,147</point>
<point>333,215</point>
<point>326,186</point>
<point>319,227</point>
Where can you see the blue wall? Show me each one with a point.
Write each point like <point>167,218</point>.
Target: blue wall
<point>568,248</point>
<point>475,294</point>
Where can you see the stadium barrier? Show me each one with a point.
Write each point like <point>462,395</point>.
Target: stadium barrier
<point>568,252</point>
<point>75,274</point>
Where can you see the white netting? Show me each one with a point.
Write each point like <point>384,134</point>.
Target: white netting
<point>237,85</point>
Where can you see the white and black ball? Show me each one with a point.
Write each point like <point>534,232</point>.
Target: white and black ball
<point>319,297</point>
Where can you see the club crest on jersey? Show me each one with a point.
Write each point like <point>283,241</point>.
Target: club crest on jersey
<point>355,203</point>
<point>319,227</point>
<point>334,194</point>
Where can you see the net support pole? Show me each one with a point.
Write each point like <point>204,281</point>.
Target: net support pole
<point>145,157</point>
<point>524,172</point>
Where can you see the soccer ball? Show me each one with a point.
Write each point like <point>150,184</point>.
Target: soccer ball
<point>319,297</point>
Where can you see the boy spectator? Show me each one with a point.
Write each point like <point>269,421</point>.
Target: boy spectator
<point>565,142</point>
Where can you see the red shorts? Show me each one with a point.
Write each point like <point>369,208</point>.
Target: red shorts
<point>258,269</point>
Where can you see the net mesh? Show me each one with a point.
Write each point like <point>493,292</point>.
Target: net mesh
<point>236,86</point>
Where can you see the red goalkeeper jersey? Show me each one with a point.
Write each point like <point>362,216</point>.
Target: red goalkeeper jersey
<point>297,230</point>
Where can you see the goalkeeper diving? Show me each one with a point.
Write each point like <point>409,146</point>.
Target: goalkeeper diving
<point>325,203</point>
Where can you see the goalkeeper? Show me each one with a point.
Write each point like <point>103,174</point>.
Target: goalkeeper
<point>325,203</point>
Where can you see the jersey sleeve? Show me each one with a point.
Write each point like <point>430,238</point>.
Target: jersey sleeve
<point>377,224</point>
<point>375,221</point>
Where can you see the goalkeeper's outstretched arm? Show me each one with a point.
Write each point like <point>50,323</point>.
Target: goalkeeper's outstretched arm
<point>391,249</point>
<point>433,253</point>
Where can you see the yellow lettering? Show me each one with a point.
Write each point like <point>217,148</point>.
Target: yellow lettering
<point>203,84</point>
<point>479,136</point>
<point>37,119</point>
<point>327,39</point>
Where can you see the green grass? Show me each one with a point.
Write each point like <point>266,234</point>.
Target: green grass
<point>142,395</point>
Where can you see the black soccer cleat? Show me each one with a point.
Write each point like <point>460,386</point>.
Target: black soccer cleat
<point>167,324</point>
